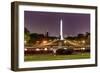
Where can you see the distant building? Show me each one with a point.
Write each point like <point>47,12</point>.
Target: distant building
<point>47,34</point>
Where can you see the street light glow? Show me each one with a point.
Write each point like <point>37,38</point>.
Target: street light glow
<point>25,49</point>
<point>65,41</point>
<point>83,48</point>
<point>44,42</point>
<point>45,49</point>
<point>37,49</point>
<point>65,48</point>
<point>83,41</point>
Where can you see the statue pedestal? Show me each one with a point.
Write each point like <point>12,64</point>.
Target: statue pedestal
<point>60,44</point>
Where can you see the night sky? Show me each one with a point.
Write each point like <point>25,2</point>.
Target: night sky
<point>42,22</point>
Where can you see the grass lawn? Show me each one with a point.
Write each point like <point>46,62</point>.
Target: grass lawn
<point>42,57</point>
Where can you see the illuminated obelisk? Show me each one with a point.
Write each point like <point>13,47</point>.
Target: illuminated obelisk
<point>60,42</point>
<point>61,30</point>
<point>60,45</point>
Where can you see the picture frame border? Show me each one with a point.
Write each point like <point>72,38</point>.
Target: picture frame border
<point>14,35</point>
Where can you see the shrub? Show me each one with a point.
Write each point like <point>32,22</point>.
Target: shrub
<point>62,51</point>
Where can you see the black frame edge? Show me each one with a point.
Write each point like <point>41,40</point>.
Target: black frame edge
<point>12,37</point>
<point>56,67</point>
<point>14,45</point>
<point>55,5</point>
<point>96,34</point>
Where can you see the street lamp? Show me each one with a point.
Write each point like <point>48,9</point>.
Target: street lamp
<point>83,41</point>
<point>83,48</point>
<point>25,49</point>
<point>45,49</point>
<point>65,48</point>
<point>44,42</point>
<point>37,49</point>
<point>65,42</point>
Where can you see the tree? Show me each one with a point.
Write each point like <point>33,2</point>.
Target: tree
<point>87,34</point>
<point>26,35</point>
